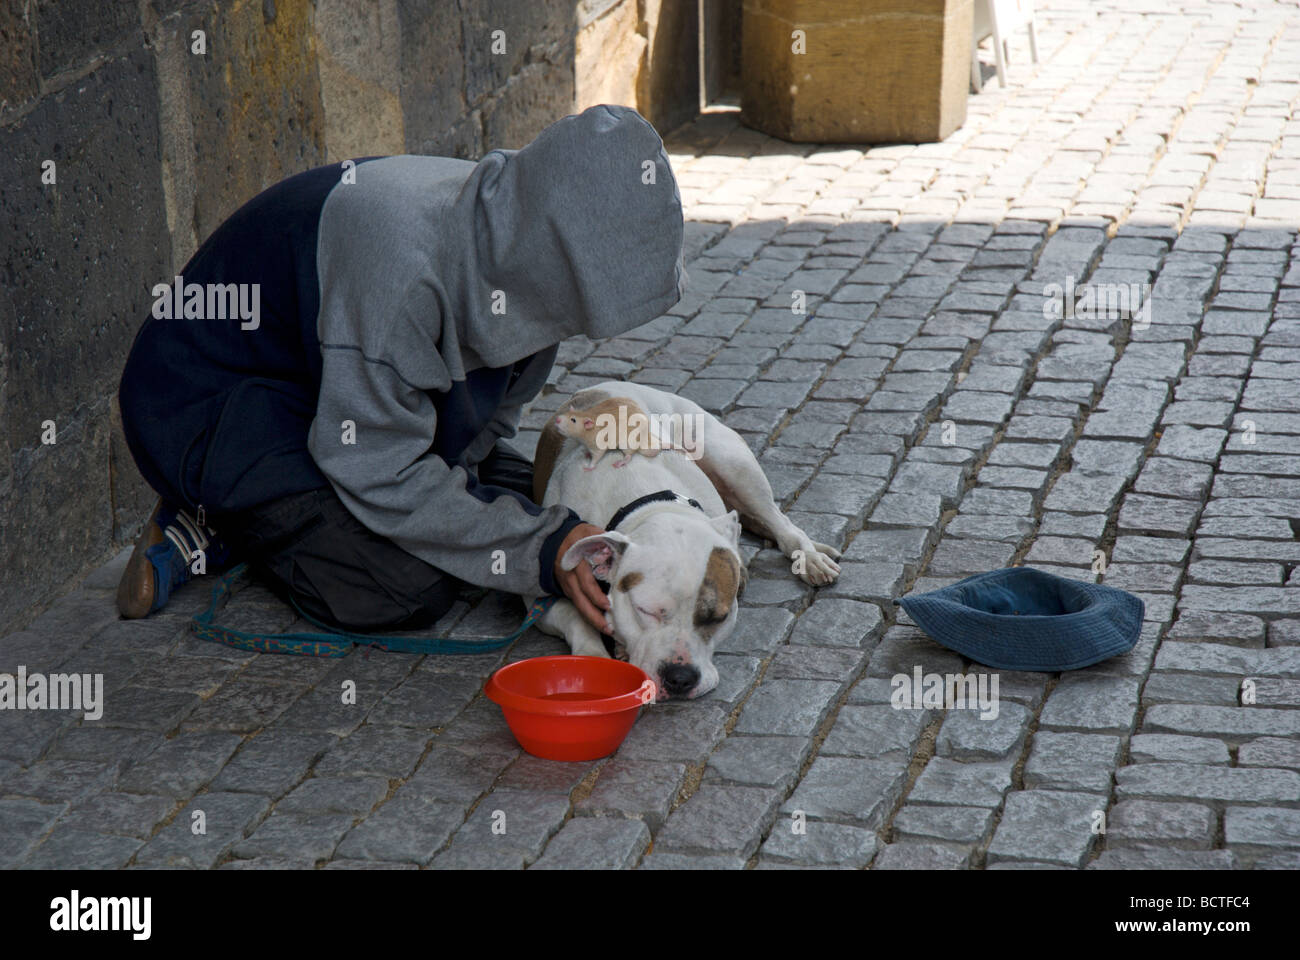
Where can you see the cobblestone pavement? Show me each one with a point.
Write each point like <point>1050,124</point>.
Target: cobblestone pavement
<point>924,412</point>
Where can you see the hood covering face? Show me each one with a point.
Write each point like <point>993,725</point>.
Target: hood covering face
<point>578,232</point>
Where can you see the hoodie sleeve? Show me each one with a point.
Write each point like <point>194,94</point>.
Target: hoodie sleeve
<point>390,481</point>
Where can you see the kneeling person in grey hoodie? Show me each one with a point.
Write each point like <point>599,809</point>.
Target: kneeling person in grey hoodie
<point>348,438</point>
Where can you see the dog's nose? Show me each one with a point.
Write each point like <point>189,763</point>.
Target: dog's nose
<point>680,678</point>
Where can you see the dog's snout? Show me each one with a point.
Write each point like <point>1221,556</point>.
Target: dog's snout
<point>680,678</point>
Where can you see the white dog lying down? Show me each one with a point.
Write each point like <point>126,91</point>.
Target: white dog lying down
<point>672,560</point>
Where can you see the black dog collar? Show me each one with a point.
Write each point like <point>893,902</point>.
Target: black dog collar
<point>666,496</point>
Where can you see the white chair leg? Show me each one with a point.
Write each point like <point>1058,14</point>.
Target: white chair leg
<point>976,80</point>
<point>1033,40</point>
<point>998,53</point>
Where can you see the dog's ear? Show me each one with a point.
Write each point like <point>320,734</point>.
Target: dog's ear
<point>602,551</point>
<point>729,526</point>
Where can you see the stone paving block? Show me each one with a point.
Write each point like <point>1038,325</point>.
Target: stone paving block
<point>875,731</point>
<point>405,829</point>
<point>840,664</point>
<point>1084,491</point>
<point>944,480</point>
<point>1140,823</point>
<point>62,780</point>
<point>201,676</point>
<point>878,582</point>
<point>1233,724</point>
<point>181,765</point>
<point>904,649</point>
<point>144,708</point>
<point>1191,443</point>
<point>684,733</point>
<point>946,782</point>
<point>103,744</point>
<point>309,837</point>
<point>456,772</point>
<point>1144,577</point>
<point>823,844</point>
<point>375,749</point>
<point>757,761</point>
<point>354,796</point>
<point>962,825</point>
<point>120,814</point>
<point>23,820</point>
<point>1270,752</point>
<point>1171,748</point>
<point>480,729</point>
<point>1284,633</point>
<point>1011,530</point>
<point>1088,527</point>
<point>679,861</point>
<point>907,510</point>
<point>966,557</point>
<point>1072,761</point>
<point>787,707</point>
<point>1014,503</point>
<point>921,856</point>
<point>1093,703</point>
<point>242,707</point>
<point>736,676</point>
<point>538,775</point>
<point>1237,628</point>
<point>1253,831</point>
<point>76,849</point>
<point>595,844</point>
<point>267,863</point>
<point>1224,658</point>
<point>904,546</point>
<point>839,622</point>
<point>1047,825</point>
<point>976,733</point>
<point>719,819</point>
<point>758,631</point>
<point>1215,786</point>
<point>426,700</point>
<point>195,842</point>
<point>848,790</point>
<point>367,865</point>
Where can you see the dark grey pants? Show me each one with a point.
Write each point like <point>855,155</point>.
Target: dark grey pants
<point>313,553</point>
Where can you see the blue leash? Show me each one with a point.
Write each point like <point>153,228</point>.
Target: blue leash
<point>335,644</point>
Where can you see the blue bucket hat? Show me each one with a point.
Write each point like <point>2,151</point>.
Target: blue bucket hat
<point>1020,618</point>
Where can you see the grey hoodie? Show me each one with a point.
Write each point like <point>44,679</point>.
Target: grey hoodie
<point>432,269</point>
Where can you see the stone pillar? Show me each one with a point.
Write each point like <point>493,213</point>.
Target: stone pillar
<point>856,71</point>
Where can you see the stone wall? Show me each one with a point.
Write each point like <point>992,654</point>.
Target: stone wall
<point>155,141</point>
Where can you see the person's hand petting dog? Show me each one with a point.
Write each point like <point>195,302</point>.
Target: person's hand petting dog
<point>579,584</point>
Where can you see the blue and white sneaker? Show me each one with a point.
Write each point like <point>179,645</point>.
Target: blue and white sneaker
<point>173,547</point>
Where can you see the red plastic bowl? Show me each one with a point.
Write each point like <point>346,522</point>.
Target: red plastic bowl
<point>570,708</point>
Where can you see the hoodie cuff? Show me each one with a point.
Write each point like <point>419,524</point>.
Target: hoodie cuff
<point>550,547</point>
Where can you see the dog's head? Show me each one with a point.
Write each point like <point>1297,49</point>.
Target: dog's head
<point>674,584</point>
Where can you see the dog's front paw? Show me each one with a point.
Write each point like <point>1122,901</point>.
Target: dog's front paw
<point>827,549</point>
<point>817,568</point>
<point>588,646</point>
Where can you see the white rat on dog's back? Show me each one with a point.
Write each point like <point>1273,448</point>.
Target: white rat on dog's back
<point>587,426</point>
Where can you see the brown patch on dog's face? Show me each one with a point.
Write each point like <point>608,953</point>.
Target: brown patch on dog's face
<point>722,581</point>
<point>628,582</point>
